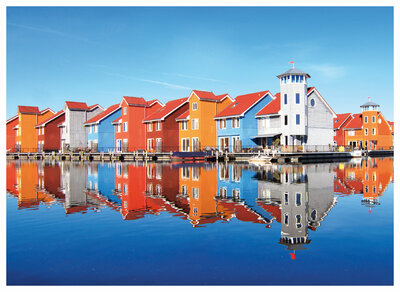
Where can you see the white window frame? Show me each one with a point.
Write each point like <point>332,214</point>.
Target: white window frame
<point>184,125</point>
<point>366,120</point>
<point>373,131</point>
<point>366,132</point>
<point>195,124</point>
<point>125,110</point>
<point>222,124</point>
<point>149,127</point>
<point>194,106</point>
<point>125,127</point>
<point>158,126</point>
<point>235,123</point>
<point>118,129</point>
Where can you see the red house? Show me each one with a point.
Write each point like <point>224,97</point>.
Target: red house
<point>130,132</point>
<point>162,130</point>
<point>49,136</point>
<point>339,124</point>
<point>10,125</point>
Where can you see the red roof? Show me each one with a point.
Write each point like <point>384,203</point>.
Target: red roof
<point>355,123</point>
<point>242,103</point>
<point>95,105</point>
<point>167,109</point>
<point>28,109</point>
<point>76,105</point>
<point>274,210</point>
<point>273,107</point>
<point>130,100</point>
<point>103,114</point>
<point>340,119</point>
<point>12,119</point>
<point>56,115</point>
<point>46,109</point>
<point>208,95</point>
<point>183,116</point>
<point>118,120</point>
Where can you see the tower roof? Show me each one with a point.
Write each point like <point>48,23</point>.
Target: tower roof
<point>293,71</point>
<point>369,103</point>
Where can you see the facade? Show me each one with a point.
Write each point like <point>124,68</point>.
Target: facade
<point>162,130</point>
<point>236,124</point>
<point>48,133</point>
<point>10,132</point>
<point>26,134</point>
<point>304,118</point>
<point>130,132</point>
<point>369,130</point>
<point>197,129</point>
<point>100,130</point>
<point>73,132</point>
<point>339,124</point>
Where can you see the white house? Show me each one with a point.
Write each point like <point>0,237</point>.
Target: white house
<point>298,115</point>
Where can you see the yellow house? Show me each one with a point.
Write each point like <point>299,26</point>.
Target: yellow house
<point>197,130</point>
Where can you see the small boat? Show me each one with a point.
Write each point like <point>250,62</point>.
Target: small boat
<point>356,153</point>
<point>260,159</point>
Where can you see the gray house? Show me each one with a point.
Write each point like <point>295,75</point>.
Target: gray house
<point>298,115</point>
<point>73,131</point>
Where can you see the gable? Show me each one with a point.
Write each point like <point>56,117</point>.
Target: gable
<point>314,94</point>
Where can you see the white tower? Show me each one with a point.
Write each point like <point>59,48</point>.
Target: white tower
<point>294,107</point>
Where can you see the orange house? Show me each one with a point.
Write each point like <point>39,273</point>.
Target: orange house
<point>130,132</point>
<point>198,129</point>
<point>26,134</point>
<point>369,130</point>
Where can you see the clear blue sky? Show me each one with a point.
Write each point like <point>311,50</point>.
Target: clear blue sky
<point>99,54</point>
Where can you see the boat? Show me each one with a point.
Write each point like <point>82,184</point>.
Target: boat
<point>356,153</point>
<point>260,159</point>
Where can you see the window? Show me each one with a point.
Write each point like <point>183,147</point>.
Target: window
<point>350,132</point>
<point>195,173</point>
<point>297,119</point>
<point>373,131</point>
<point>125,127</point>
<point>185,144</point>
<point>194,106</point>
<point>94,128</point>
<point>314,215</point>
<point>118,128</point>
<point>149,127</point>
<point>297,98</point>
<point>286,198</point>
<point>286,120</point>
<point>285,99</point>
<point>287,219</point>
<point>222,192</point>
<point>150,144</point>
<point>158,126</point>
<point>195,193</point>
<point>185,172</point>
<point>366,132</point>
<point>365,119</point>
<point>90,129</point>
<point>125,110</point>
<point>312,102</point>
<point>222,124</point>
<point>184,125</point>
<point>195,124</point>
<point>298,221</point>
<point>298,199</point>
<point>235,123</point>
<point>373,119</point>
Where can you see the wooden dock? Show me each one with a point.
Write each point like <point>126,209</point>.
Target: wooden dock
<point>210,156</point>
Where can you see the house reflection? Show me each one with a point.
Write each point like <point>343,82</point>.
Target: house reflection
<point>73,185</point>
<point>368,177</point>
<point>298,197</point>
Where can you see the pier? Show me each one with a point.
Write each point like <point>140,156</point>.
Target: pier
<point>210,156</point>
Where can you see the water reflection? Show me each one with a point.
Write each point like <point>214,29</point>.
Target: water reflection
<point>296,197</point>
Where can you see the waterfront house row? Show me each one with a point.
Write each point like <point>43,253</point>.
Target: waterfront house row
<point>297,117</point>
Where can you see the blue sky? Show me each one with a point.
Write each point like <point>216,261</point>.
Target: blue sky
<point>99,54</point>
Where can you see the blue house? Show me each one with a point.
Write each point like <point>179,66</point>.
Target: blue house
<point>237,125</point>
<point>100,130</point>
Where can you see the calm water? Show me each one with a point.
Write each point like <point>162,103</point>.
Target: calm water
<point>160,224</point>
